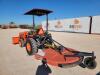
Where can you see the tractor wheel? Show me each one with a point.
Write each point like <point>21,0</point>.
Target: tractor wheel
<point>31,46</point>
<point>90,63</point>
<point>21,43</point>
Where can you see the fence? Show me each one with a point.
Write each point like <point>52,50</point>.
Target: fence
<point>82,24</point>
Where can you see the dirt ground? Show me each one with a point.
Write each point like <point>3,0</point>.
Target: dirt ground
<point>15,61</point>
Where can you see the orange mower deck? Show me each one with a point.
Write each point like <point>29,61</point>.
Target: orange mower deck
<point>55,58</point>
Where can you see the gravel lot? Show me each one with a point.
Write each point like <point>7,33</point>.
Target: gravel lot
<point>15,61</point>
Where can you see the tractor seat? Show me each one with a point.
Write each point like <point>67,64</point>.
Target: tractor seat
<point>40,31</point>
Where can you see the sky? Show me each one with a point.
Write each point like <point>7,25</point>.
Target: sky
<point>13,10</point>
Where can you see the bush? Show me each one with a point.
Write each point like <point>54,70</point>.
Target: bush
<point>13,26</point>
<point>4,26</point>
<point>0,26</point>
<point>23,26</point>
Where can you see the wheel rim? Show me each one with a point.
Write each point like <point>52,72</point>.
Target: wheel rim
<point>28,46</point>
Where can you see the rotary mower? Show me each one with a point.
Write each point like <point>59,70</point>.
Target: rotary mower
<point>52,52</point>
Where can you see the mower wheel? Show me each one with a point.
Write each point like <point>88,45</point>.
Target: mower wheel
<point>90,63</point>
<point>31,46</point>
<point>21,43</point>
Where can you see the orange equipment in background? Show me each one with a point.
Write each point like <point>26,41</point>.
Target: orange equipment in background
<point>15,40</point>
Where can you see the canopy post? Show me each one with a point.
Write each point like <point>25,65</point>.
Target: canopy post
<point>47,22</point>
<point>33,23</point>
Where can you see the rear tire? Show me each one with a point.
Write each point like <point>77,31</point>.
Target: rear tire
<point>31,46</point>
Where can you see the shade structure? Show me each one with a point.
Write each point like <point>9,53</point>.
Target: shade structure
<point>38,12</point>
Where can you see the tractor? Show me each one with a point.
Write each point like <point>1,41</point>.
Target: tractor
<point>39,42</point>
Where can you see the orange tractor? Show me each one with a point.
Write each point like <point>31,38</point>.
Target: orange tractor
<point>40,44</point>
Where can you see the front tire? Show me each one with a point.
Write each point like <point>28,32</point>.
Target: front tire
<point>31,46</point>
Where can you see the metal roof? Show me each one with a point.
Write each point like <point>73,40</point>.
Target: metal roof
<point>38,12</point>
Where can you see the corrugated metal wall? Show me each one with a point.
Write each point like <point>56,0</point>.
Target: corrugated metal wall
<point>96,24</point>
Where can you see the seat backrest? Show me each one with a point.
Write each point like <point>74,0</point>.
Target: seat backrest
<point>40,31</point>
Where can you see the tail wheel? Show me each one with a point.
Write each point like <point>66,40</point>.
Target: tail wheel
<point>90,63</point>
<point>31,46</point>
<point>21,43</point>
